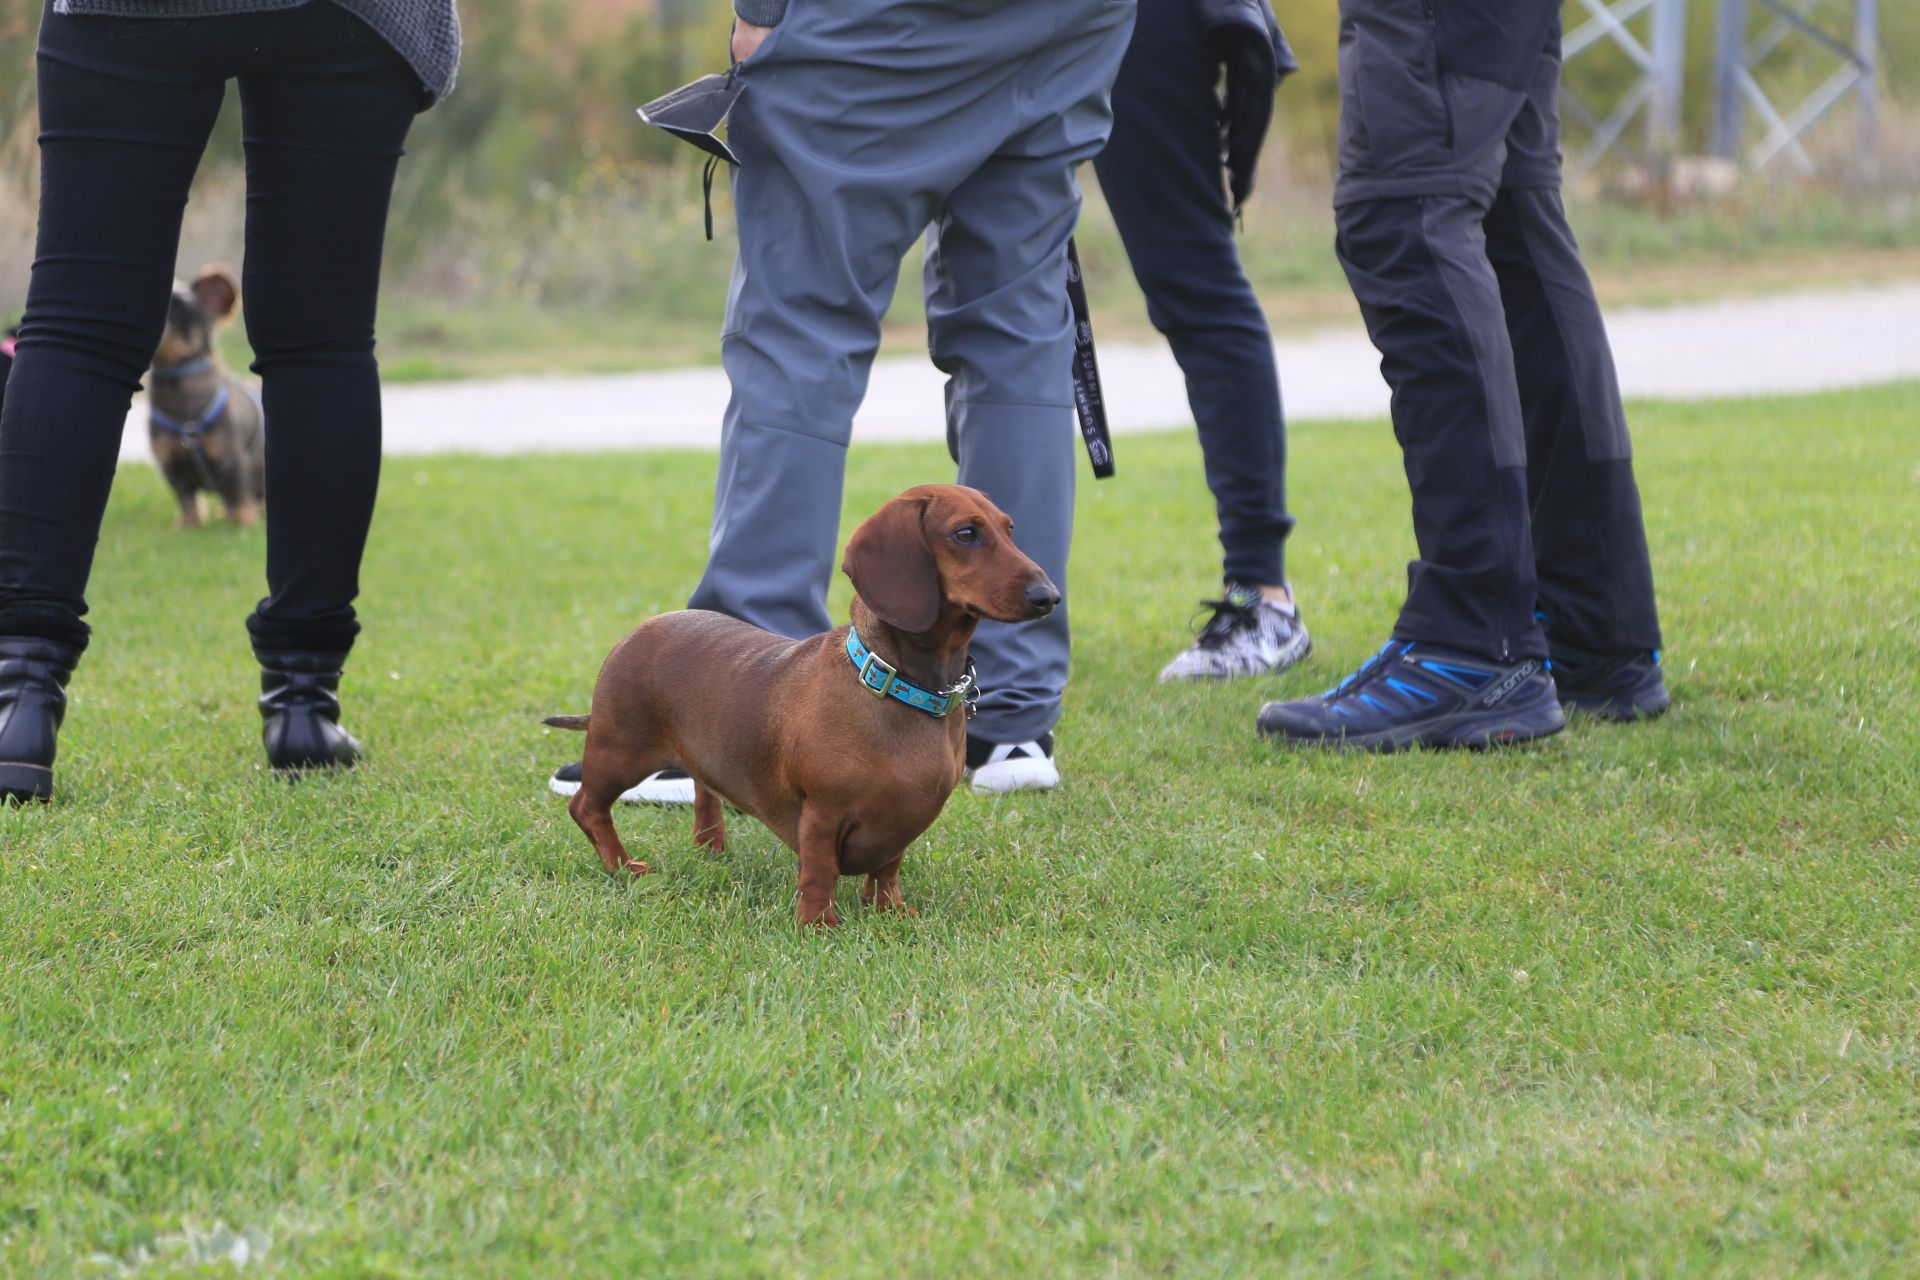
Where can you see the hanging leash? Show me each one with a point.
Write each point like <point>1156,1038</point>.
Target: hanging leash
<point>1089,405</point>
<point>696,113</point>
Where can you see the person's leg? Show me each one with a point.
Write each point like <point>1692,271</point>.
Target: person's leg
<point>1161,177</point>
<point>126,106</point>
<point>1421,152</point>
<point>1419,270</point>
<point>821,235</point>
<point>845,153</point>
<point>1421,155</point>
<point>125,109</point>
<point>1590,544</point>
<point>325,115</point>
<point>1000,328</point>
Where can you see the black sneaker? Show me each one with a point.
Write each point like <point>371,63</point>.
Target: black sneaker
<point>1622,687</point>
<point>669,786</point>
<point>1411,694</point>
<point>997,768</point>
<point>1248,635</point>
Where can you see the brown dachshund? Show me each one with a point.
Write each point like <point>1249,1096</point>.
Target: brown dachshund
<point>846,758</point>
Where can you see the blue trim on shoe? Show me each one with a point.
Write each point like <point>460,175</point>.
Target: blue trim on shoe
<point>1438,698</point>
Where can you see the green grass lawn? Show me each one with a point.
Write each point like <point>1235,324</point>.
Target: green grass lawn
<point>1638,1001</point>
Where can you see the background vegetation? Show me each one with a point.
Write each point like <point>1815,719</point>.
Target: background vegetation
<point>539,225</point>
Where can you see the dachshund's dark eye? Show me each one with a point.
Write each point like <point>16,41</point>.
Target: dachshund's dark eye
<point>967,536</point>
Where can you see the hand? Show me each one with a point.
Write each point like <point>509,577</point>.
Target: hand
<point>747,38</point>
<point>1247,109</point>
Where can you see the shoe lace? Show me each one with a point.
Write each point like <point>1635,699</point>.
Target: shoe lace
<point>1231,614</point>
<point>1367,670</point>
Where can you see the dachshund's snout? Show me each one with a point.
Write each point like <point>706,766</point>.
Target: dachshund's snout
<point>1043,597</point>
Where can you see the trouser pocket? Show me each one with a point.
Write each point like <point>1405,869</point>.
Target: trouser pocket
<point>1394,110</point>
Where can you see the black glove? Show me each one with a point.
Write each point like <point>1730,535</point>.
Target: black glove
<point>1245,37</point>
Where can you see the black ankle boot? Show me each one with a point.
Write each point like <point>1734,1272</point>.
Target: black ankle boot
<point>33,701</point>
<point>300,704</point>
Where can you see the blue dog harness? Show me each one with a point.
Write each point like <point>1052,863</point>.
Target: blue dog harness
<point>190,430</point>
<point>879,678</point>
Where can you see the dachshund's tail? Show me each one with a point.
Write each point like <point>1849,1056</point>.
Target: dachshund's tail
<point>577,723</point>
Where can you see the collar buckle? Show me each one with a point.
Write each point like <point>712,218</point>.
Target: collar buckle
<point>889,674</point>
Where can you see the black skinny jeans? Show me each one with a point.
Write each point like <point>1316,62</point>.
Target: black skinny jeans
<point>1162,179</point>
<point>126,105</point>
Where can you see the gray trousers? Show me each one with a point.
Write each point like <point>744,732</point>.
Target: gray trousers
<point>865,123</point>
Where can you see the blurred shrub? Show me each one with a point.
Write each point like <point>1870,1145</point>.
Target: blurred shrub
<point>529,182</point>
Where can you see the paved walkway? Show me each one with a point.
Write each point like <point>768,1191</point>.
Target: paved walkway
<point>1799,342</point>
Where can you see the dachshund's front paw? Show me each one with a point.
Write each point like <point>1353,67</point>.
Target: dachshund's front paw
<point>828,919</point>
<point>636,868</point>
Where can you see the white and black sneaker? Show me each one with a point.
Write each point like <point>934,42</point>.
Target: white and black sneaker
<point>1248,635</point>
<point>997,768</point>
<point>669,786</point>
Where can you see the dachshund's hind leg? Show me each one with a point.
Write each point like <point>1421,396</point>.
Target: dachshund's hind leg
<point>709,822</point>
<point>604,775</point>
<point>882,889</point>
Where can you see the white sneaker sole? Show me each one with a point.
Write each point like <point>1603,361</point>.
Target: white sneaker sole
<point>654,790</point>
<point>1292,656</point>
<point>1022,773</point>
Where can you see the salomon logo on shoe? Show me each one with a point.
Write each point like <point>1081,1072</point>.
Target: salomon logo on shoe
<point>1513,681</point>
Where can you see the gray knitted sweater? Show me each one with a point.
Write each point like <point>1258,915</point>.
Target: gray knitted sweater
<point>424,32</point>
<point>761,13</point>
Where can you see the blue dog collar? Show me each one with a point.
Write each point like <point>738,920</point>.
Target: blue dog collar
<point>879,678</point>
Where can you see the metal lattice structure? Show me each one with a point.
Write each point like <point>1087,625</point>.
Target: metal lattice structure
<point>1788,23</point>
<point>1652,34</point>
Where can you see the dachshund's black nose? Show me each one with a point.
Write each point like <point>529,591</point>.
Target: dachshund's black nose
<point>1043,596</point>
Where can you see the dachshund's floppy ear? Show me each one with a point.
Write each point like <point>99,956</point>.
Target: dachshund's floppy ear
<point>892,568</point>
<point>217,292</point>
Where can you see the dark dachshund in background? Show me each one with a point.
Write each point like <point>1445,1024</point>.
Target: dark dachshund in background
<point>206,426</point>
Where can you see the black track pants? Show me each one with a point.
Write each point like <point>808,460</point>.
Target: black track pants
<point>1162,179</point>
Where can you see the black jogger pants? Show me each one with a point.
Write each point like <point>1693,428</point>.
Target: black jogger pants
<point>1162,179</point>
<point>126,106</point>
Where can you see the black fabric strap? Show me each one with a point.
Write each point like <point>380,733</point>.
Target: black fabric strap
<point>1088,403</point>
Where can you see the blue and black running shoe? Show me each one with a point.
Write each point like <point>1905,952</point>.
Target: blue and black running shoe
<point>1622,687</point>
<point>1410,695</point>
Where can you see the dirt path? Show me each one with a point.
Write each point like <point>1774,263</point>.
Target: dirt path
<point>1780,344</point>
